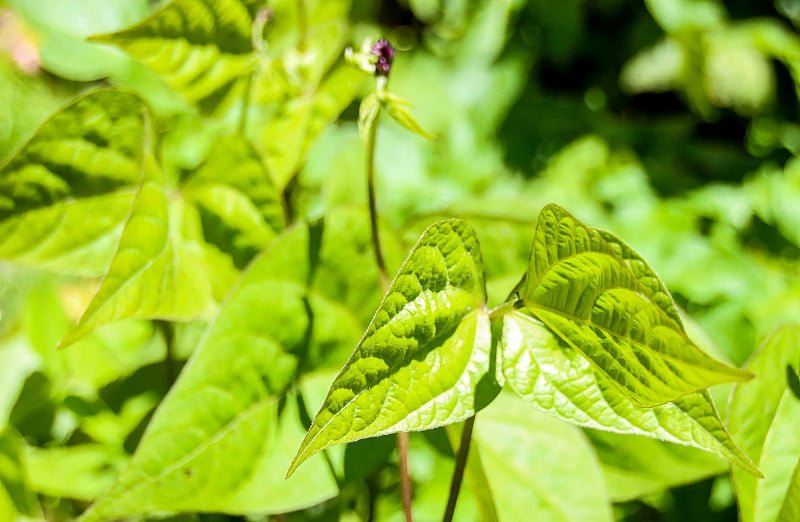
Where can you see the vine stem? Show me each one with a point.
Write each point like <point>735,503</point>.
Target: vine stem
<point>380,261</point>
<point>373,207</point>
<point>458,472</point>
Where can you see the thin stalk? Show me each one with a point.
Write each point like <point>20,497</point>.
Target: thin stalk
<point>469,463</point>
<point>405,474</point>
<point>373,208</point>
<point>302,23</point>
<point>380,262</point>
<point>458,472</point>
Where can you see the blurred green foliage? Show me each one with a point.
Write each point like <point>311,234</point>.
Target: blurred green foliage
<point>672,123</point>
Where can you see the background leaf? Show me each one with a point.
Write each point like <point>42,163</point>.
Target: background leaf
<point>536,465</point>
<point>763,417</point>
<point>212,442</point>
<point>198,47</point>
<point>422,357</point>
<point>157,271</point>
<point>556,379</point>
<point>605,301</point>
<point>65,194</point>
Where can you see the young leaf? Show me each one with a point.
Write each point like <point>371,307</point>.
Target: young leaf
<point>604,300</point>
<point>422,357</point>
<point>66,193</point>
<point>557,379</point>
<point>398,109</point>
<point>157,271</point>
<point>197,46</point>
<point>763,418</point>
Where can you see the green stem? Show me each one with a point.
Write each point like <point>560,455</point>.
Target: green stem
<point>472,467</point>
<point>373,209</point>
<point>302,22</point>
<point>458,472</point>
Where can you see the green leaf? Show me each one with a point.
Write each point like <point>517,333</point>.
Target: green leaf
<point>424,354</point>
<point>239,207</point>
<point>556,379</point>
<point>220,439</point>
<point>367,114</point>
<point>80,472</point>
<point>637,466</point>
<point>66,193</point>
<point>763,418</point>
<point>297,122</point>
<point>604,300</point>
<point>542,468</point>
<point>790,510</point>
<point>157,271</point>
<point>199,47</point>
<point>234,162</point>
<point>398,109</point>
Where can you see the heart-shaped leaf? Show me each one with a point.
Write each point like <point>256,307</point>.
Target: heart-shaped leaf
<point>424,354</point>
<point>556,379</point>
<point>763,417</point>
<point>158,270</point>
<point>199,47</point>
<point>66,193</point>
<point>604,300</point>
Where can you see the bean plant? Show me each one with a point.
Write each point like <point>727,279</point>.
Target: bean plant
<point>173,202</point>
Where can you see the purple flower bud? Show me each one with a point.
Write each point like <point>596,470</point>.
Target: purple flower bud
<point>385,53</point>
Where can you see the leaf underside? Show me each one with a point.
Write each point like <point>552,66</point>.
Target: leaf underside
<point>557,379</point>
<point>603,299</point>
<point>425,351</point>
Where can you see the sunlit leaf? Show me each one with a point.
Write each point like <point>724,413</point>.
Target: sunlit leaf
<point>424,354</point>
<point>604,300</point>
<point>556,379</point>
<point>198,47</point>
<point>66,193</point>
<point>763,418</point>
<point>80,472</point>
<point>158,270</point>
<point>211,442</point>
<point>539,467</point>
